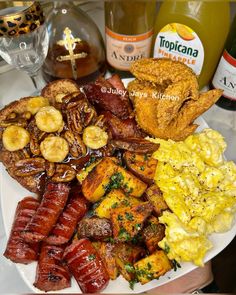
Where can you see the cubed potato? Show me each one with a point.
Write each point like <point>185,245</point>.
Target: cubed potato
<point>126,255</point>
<point>128,221</point>
<point>152,267</point>
<point>153,233</point>
<point>141,165</point>
<point>94,185</point>
<point>155,197</point>
<point>83,173</point>
<point>131,184</point>
<point>114,199</point>
<point>106,252</point>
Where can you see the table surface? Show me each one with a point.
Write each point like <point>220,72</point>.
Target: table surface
<point>15,84</point>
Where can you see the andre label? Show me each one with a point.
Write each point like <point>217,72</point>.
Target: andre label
<point>180,43</point>
<point>122,50</point>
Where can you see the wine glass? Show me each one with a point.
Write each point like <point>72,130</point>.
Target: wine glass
<point>24,39</point>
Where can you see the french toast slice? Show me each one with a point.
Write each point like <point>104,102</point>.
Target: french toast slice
<point>21,113</point>
<point>9,158</point>
<point>56,90</point>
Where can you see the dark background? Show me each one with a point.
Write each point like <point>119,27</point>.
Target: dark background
<point>224,269</point>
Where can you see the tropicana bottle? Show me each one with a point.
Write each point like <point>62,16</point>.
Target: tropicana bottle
<point>129,32</point>
<point>193,32</point>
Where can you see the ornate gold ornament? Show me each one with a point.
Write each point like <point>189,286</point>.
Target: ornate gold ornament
<point>69,42</point>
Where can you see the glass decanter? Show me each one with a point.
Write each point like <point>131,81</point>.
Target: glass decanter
<point>76,48</point>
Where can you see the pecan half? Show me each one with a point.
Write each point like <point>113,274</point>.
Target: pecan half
<point>78,111</point>
<point>76,144</point>
<point>63,173</point>
<point>30,166</point>
<point>21,122</point>
<point>50,168</point>
<point>36,136</point>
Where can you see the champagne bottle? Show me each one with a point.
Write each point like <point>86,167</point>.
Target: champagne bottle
<point>225,75</point>
<point>129,31</point>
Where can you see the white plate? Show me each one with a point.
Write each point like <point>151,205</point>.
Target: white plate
<point>12,193</point>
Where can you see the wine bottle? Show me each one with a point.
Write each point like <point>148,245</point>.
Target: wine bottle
<point>76,48</point>
<point>129,31</point>
<point>225,75</point>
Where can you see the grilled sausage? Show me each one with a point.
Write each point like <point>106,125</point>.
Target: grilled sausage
<point>75,209</point>
<point>51,274</point>
<point>51,206</point>
<point>86,266</point>
<point>94,228</point>
<point>17,249</point>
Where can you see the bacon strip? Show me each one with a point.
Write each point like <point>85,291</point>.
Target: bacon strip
<point>102,94</point>
<point>66,224</point>
<point>51,274</point>
<point>86,266</point>
<point>17,249</point>
<point>51,206</point>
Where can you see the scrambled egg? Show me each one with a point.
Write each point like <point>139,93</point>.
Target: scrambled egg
<point>199,187</point>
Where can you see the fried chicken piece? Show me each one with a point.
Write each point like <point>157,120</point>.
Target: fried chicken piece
<point>193,109</point>
<point>172,100</point>
<point>149,109</point>
<point>166,98</point>
<point>164,72</point>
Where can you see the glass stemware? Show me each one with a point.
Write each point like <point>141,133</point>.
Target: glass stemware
<point>24,39</point>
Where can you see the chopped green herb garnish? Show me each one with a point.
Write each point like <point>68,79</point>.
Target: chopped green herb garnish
<point>176,264</point>
<point>119,217</point>
<point>124,235</point>
<point>142,168</point>
<point>129,268</point>
<point>137,239</point>
<point>91,160</point>
<point>132,159</point>
<point>91,257</point>
<point>129,216</point>
<point>132,283</point>
<point>113,206</point>
<point>145,157</point>
<point>116,181</point>
<point>149,266</point>
<point>138,226</point>
<point>167,248</point>
<point>110,240</point>
<point>126,203</point>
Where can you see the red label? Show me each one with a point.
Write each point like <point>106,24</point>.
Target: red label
<point>229,58</point>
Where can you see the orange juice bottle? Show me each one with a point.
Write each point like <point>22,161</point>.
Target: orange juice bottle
<point>193,32</point>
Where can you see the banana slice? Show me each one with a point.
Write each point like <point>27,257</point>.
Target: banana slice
<point>15,138</point>
<point>94,137</point>
<point>36,103</point>
<point>49,119</point>
<point>54,148</point>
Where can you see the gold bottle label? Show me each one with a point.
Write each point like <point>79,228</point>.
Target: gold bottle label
<point>122,50</point>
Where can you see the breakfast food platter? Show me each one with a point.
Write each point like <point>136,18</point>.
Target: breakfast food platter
<point>100,176</point>
<point>11,193</point>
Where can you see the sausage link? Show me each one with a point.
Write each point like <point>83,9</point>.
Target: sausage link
<point>51,206</point>
<point>51,273</point>
<point>67,222</point>
<point>86,266</point>
<point>17,249</point>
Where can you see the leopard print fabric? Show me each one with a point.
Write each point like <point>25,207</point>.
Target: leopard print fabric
<point>22,22</point>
